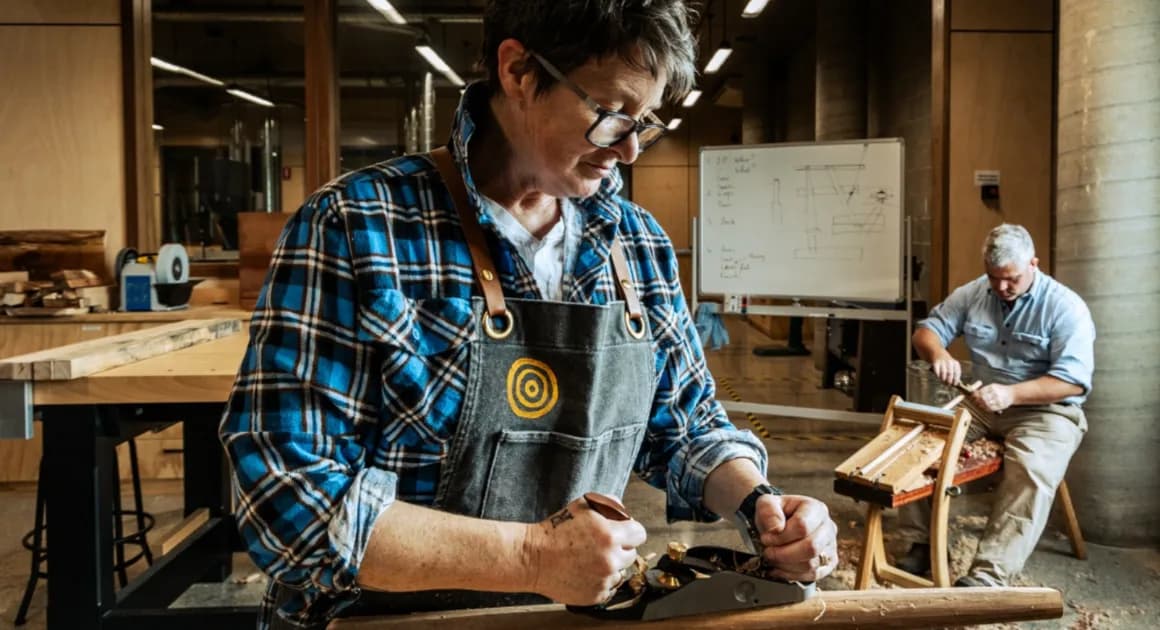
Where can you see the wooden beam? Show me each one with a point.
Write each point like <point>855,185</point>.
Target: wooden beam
<point>885,608</point>
<point>322,102</point>
<point>939,143</point>
<point>95,355</point>
<point>142,214</point>
<point>183,530</point>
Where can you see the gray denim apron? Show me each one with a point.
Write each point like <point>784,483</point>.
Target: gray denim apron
<point>557,403</point>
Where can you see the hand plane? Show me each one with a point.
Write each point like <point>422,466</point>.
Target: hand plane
<point>695,581</point>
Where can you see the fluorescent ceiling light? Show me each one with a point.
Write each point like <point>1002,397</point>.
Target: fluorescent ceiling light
<point>157,127</point>
<point>437,62</point>
<point>246,96</point>
<point>754,8</point>
<point>171,67</point>
<point>391,13</point>
<point>674,123</point>
<point>691,98</point>
<point>718,58</point>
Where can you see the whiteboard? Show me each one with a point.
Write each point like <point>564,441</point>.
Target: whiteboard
<point>803,220</point>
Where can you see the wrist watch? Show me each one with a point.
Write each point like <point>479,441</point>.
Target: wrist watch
<point>746,516</point>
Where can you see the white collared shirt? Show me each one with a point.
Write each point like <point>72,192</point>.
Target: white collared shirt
<point>546,257</point>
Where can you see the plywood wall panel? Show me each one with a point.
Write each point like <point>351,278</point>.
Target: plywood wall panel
<point>664,192</point>
<point>1003,15</point>
<point>60,12</point>
<point>1000,118</point>
<point>62,146</point>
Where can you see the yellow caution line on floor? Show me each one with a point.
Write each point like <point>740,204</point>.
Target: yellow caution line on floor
<point>758,427</point>
<point>788,437</point>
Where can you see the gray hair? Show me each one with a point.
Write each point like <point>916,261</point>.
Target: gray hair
<point>1008,244</point>
<point>652,35</point>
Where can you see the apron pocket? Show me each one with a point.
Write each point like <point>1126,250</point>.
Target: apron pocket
<point>536,473</point>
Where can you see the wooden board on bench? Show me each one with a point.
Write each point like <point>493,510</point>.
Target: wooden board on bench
<point>969,469</point>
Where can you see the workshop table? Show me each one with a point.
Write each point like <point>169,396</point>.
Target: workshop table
<point>83,421</point>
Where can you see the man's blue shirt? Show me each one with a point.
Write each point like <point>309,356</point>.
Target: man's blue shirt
<point>1046,331</point>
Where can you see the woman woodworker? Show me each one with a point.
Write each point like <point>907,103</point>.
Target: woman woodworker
<point>451,348</point>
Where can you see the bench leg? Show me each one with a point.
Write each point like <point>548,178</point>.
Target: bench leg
<point>871,548</point>
<point>1073,531</point>
<point>939,557</point>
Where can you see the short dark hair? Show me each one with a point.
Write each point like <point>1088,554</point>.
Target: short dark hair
<point>651,34</point>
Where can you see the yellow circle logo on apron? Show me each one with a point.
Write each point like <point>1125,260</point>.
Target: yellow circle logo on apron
<point>531,388</point>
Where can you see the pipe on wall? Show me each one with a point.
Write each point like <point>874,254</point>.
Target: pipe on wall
<point>271,166</point>
<point>427,113</point>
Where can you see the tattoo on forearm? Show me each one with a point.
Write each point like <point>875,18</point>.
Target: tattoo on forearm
<point>559,517</point>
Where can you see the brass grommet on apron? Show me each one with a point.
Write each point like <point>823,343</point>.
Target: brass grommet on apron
<point>510,324</point>
<point>637,333</point>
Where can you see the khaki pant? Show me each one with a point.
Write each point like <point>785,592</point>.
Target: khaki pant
<point>1040,441</point>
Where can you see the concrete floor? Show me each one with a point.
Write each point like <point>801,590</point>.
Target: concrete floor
<point>1113,588</point>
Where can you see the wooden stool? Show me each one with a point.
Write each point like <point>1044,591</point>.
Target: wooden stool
<point>35,542</point>
<point>889,473</point>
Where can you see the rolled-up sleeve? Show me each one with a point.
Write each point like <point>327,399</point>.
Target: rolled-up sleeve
<point>689,434</point>
<point>294,427</point>
<point>1073,346</point>
<point>946,319</point>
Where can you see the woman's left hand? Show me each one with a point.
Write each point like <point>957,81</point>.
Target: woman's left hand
<point>800,538</point>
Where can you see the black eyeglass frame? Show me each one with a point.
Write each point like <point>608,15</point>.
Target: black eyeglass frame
<point>603,112</point>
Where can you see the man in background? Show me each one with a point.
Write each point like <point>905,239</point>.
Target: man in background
<point>1030,340</point>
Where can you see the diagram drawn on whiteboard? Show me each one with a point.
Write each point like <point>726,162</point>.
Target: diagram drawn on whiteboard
<point>836,204</point>
<point>802,219</point>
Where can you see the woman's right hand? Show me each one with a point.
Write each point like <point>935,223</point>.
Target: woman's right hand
<point>575,555</point>
<point>946,368</point>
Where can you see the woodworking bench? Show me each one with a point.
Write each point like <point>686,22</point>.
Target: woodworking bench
<point>893,470</point>
<point>83,421</point>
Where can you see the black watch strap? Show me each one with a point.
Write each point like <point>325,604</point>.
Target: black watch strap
<point>747,514</point>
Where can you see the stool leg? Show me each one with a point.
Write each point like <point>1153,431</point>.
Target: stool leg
<point>871,546</point>
<point>1073,532</point>
<point>118,525</point>
<point>37,545</point>
<point>140,505</point>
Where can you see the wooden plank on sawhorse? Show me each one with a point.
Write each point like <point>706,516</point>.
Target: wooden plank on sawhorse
<point>96,355</point>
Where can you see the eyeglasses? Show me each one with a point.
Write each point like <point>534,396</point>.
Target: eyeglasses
<point>610,127</point>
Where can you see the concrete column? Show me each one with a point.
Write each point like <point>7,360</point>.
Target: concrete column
<point>1107,237</point>
<point>840,72</point>
<point>840,97</point>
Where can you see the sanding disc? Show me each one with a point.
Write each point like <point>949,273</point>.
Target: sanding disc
<point>172,266</point>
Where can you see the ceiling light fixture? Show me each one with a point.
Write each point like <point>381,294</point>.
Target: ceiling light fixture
<point>754,8</point>
<point>246,96</point>
<point>172,67</point>
<point>673,124</point>
<point>157,127</point>
<point>390,12</point>
<point>691,98</point>
<point>718,58</point>
<point>433,58</point>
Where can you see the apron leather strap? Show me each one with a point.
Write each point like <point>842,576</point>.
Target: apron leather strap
<point>476,243</point>
<point>624,281</point>
<point>485,268</point>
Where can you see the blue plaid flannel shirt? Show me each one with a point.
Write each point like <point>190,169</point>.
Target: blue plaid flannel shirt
<point>349,393</point>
